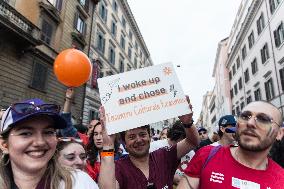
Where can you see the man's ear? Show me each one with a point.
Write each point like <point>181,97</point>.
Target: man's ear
<point>3,145</point>
<point>280,134</point>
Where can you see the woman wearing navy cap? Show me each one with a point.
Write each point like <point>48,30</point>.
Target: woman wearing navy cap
<point>28,143</point>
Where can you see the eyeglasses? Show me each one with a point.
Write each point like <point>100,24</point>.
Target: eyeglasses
<point>261,119</point>
<point>69,139</point>
<point>72,156</point>
<point>151,186</point>
<point>28,108</point>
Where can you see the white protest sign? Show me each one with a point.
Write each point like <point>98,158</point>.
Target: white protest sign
<point>140,97</point>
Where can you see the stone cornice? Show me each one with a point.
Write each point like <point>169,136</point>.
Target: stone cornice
<point>243,31</point>
<point>135,26</point>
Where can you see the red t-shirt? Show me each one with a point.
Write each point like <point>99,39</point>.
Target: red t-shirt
<point>224,172</point>
<point>93,171</point>
<point>84,138</point>
<point>162,164</point>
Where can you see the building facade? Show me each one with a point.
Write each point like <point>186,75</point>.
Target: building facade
<point>256,54</point>
<point>117,46</point>
<point>35,32</point>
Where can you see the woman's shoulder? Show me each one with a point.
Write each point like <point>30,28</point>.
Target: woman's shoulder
<point>82,180</point>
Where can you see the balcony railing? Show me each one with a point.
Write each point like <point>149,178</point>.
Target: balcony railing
<point>10,17</point>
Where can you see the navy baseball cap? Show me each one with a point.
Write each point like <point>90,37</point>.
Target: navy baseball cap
<point>202,129</point>
<point>228,120</point>
<point>27,109</point>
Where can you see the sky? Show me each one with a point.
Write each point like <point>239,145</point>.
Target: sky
<point>186,33</point>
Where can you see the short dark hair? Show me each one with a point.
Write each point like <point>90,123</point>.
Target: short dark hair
<point>122,134</point>
<point>176,132</point>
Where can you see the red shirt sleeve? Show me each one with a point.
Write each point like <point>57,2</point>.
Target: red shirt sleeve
<point>94,171</point>
<point>194,167</point>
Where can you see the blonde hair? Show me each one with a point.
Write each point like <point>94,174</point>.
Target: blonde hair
<point>54,173</point>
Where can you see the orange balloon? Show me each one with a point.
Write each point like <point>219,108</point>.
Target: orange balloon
<point>72,68</point>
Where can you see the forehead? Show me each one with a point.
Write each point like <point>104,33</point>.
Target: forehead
<point>98,128</point>
<point>39,122</point>
<point>136,131</point>
<point>262,107</point>
<point>73,147</point>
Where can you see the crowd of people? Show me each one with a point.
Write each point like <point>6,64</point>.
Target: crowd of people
<point>42,149</point>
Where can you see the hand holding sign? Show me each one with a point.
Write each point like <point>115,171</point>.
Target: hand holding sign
<point>187,118</point>
<point>108,141</point>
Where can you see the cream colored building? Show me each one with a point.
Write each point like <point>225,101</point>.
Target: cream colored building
<point>256,54</point>
<point>117,46</point>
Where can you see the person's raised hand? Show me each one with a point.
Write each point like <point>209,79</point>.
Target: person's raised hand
<point>108,141</point>
<point>70,93</point>
<point>187,118</point>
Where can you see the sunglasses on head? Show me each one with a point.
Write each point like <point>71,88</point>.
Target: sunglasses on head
<point>69,139</point>
<point>28,108</point>
<point>261,119</point>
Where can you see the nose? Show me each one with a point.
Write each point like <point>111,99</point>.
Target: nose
<point>252,121</point>
<point>79,162</point>
<point>39,139</point>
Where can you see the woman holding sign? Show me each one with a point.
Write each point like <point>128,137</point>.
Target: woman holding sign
<point>143,169</point>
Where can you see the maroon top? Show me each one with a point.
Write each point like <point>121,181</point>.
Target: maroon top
<point>162,163</point>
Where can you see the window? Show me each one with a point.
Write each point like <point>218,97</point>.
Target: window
<point>233,112</point>
<point>257,95</point>
<point>238,110</point>
<point>130,35</point>
<point>236,89</point>
<point>114,5</point>
<point>113,28</point>
<point>281,71</point>
<point>80,24</point>
<point>232,93</point>
<point>279,35</point>
<point>254,67</point>
<point>93,114</point>
<point>260,24</point>
<point>85,4</point>
<point>230,75</point>
<point>247,75</point>
<point>240,83</point>
<point>100,42</point>
<point>251,39</point>
<point>129,51</point>
<point>39,76</point>
<point>269,90</point>
<point>213,119</point>
<point>46,32</point>
<point>122,42</point>
<point>273,5</point>
<point>234,69</point>
<point>56,3</point>
<point>136,45</point>
<point>135,62</point>
<point>103,12</point>
<point>121,66</point>
<point>212,108</point>
<point>264,53</point>
<point>111,55</point>
<point>238,62</point>
<point>244,52</point>
<point>242,105</point>
<point>249,99</point>
<point>123,22</point>
<point>128,67</point>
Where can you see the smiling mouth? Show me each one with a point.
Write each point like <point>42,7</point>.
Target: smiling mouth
<point>37,153</point>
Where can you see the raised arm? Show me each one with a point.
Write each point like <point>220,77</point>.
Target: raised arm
<point>192,139</point>
<point>70,130</point>
<point>107,178</point>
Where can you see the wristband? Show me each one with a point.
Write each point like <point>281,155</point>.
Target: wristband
<point>107,154</point>
<point>109,150</point>
<point>189,125</point>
